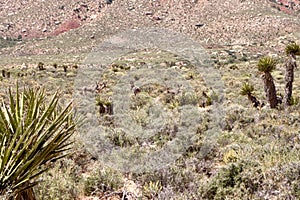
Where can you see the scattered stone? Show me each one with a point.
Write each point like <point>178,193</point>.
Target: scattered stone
<point>163,64</point>
<point>70,74</point>
<point>24,66</point>
<point>77,10</point>
<point>93,16</point>
<point>2,27</point>
<point>199,25</point>
<point>149,13</point>
<point>131,8</point>
<point>157,18</point>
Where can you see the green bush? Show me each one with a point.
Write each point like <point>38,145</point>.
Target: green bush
<point>232,181</point>
<point>102,181</point>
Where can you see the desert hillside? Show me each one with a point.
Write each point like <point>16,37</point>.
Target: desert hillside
<point>172,94</point>
<point>71,24</point>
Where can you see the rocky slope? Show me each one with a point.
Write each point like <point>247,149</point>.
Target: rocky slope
<point>55,27</point>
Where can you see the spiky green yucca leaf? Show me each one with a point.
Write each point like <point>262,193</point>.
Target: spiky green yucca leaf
<point>266,64</point>
<point>246,89</point>
<point>32,135</point>
<point>292,48</point>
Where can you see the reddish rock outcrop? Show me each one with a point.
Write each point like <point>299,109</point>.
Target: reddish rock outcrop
<point>66,26</point>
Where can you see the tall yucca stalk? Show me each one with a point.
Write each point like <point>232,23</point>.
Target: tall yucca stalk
<point>291,50</point>
<point>267,65</point>
<point>33,134</point>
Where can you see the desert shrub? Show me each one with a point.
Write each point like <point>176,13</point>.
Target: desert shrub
<point>61,182</point>
<point>179,177</point>
<point>233,67</point>
<point>294,101</point>
<point>230,60</point>
<point>41,66</point>
<point>188,99</point>
<point>278,176</point>
<point>244,58</point>
<point>140,100</point>
<point>233,115</point>
<point>120,66</point>
<point>105,105</point>
<point>167,193</point>
<point>230,156</point>
<point>233,181</point>
<point>102,180</point>
<point>7,42</point>
<point>152,189</point>
<point>121,139</point>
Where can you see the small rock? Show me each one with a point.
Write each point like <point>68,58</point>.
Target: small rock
<point>84,5</point>
<point>2,27</point>
<point>24,66</point>
<point>199,25</point>
<point>70,74</point>
<point>149,13</point>
<point>156,18</point>
<point>84,17</point>
<point>131,8</point>
<point>76,10</point>
<point>93,16</point>
<point>163,64</point>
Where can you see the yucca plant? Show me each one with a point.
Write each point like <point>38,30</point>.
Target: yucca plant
<point>247,89</point>
<point>33,135</point>
<point>291,50</point>
<point>267,65</point>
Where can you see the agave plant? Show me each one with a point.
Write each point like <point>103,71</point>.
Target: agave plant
<point>247,89</point>
<point>292,50</point>
<point>33,134</point>
<point>267,65</point>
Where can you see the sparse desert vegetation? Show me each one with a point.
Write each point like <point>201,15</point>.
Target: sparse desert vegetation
<point>162,130</point>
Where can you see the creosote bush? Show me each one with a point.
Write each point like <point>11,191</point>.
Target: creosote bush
<point>102,181</point>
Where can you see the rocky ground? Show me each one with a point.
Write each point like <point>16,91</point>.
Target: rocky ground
<point>63,27</point>
<point>235,33</point>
